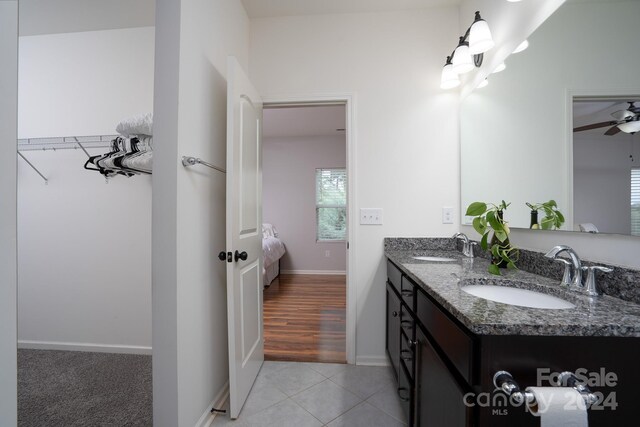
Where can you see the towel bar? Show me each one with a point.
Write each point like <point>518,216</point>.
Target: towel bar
<point>190,161</point>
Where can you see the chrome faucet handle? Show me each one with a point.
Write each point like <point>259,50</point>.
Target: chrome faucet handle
<point>591,287</point>
<point>470,253</point>
<point>566,277</point>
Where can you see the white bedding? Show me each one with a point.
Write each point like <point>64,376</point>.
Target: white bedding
<point>273,249</point>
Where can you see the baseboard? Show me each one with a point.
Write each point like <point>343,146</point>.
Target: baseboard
<point>319,272</point>
<point>372,360</point>
<point>76,346</point>
<point>218,402</point>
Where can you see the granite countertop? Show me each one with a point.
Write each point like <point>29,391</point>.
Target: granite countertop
<point>599,316</point>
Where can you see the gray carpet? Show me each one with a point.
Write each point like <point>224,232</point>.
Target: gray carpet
<point>73,388</point>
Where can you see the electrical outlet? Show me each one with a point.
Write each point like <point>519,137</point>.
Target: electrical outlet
<point>327,254</point>
<point>371,216</point>
<point>468,220</point>
<point>447,215</point>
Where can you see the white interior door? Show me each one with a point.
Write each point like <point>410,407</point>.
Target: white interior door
<point>244,235</point>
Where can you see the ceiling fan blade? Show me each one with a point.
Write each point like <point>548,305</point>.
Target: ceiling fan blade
<point>622,115</point>
<point>613,130</point>
<point>594,126</point>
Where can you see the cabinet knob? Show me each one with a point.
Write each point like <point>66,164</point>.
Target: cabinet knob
<point>394,314</point>
<point>407,293</point>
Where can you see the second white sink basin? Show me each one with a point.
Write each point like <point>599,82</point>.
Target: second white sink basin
<point>515,296</point>
<point>434,258</point>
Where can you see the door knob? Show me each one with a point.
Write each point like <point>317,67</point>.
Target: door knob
<point>222,256</point>
<point>240,255</point>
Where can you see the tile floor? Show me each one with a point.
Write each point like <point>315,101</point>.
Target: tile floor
<point>291,394</point>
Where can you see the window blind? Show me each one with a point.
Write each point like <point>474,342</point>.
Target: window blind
<point>331,204</point>
<point>635,201</point>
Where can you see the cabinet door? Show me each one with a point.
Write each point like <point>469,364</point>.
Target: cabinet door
<point>393,328</point>
<point>438,399</point>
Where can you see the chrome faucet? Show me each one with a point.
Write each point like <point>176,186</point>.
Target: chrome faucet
<point>467,245</point>
<point>590,285</point>
<point>576,264</point>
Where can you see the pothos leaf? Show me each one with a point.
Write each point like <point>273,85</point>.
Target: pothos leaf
<point>493,269</point>
<point>476,209</point>
<point>501,235</point>
<point>483,242</point>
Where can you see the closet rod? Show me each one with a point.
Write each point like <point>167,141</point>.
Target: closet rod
<point>46,181</point>
<point>190,161</point>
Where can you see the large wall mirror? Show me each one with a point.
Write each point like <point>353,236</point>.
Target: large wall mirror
<point>518,142</point>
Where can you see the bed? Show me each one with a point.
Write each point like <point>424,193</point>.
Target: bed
<point>272,250</point>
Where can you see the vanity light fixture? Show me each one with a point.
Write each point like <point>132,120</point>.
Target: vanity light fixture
<point>522,46</point>
<point>469,52</point>
<point>500,67</point>
<point>483,83</point>
<point>449,78</point>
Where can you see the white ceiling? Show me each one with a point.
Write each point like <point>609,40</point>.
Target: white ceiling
<point>304,121</point>
<point>70,16</point>
<point>273,8</point>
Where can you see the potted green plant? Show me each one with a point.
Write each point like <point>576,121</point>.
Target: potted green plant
<point>553,218</point>
<point>488,218</point>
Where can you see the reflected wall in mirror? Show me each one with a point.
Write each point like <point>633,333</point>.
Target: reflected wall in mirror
<point>606,163</point>
<point>517,139</point>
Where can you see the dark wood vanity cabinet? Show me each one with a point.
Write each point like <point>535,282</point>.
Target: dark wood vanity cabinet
<point>440,365</point>
<point>427,353</point>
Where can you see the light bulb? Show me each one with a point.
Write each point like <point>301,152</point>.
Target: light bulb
<point>449,78</point>
<point>500,67</point>
<point>480,39</point>
<point>522,46</point>
<point>462,61</point>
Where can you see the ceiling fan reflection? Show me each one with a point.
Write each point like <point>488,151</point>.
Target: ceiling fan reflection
<point>627,121</point>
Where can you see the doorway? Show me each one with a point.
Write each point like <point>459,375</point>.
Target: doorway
<point>305,231</point>
<point>84,226</point>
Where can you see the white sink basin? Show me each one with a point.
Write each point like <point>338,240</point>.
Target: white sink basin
<point>515,296</point>
<point>434,258</point>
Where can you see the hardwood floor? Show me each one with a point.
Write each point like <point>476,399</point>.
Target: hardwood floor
<point>305,319</point>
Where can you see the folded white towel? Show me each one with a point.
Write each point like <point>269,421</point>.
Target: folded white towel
<point>136,125</point>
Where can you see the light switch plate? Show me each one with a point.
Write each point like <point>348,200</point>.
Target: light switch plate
<point>447,215</point>
<point>371,216</point>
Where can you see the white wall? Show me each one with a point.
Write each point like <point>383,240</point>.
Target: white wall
<point>405,127</point>
<point>601,181</point>
<point>536,85</point>
<point>190,366</point>
<point>8,281</point>
<point>289,196</point>
<point>84,83</point>
<point>84,252</point>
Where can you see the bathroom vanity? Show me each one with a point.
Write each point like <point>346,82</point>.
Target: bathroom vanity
<point>445,345</point>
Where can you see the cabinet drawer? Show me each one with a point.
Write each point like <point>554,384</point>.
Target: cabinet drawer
<point>453,340</point>
<point>405,393</point>
<point>408,292</point>
<point>394,275</point>
<point>407,355</point>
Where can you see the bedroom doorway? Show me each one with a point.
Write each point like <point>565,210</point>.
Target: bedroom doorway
<point>305,231</point>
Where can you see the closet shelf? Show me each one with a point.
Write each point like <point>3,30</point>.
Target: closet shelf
<point>65,142</point>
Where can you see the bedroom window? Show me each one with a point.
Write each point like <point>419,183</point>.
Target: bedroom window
<point>331,204</point>
<point>635,201</point>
